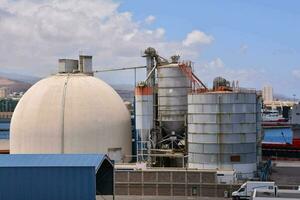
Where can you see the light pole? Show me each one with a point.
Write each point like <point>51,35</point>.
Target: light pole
<point>294,98</point>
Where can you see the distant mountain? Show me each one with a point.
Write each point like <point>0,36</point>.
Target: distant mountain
<point>123,87</point>
<point>283,97</point>
<point>18,83</point>
<point>13,85</point>
<point>125,91</point>
<point>20,77</point>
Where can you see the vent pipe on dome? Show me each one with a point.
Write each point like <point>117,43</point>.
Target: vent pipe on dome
<point>86,64</point>
<point>67,65</point>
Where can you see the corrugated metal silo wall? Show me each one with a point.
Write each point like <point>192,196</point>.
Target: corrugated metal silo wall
<point>47,183</point>
<point>222,131</point>
<point>173,87</point>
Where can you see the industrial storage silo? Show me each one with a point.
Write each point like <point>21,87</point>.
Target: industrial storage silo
<point>173,88</point>
<point>143,120</point>
<point>71,112</point>
<point>222,131</point>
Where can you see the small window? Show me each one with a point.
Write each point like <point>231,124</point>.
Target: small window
<point>235,158</point>
<point>242,190</point>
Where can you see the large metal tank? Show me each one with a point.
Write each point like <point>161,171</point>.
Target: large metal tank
<point>143,120</point>
<point>71,113</point>
<point>222,131</point>
<point>173,88</point>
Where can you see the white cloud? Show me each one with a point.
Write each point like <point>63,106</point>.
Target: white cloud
<point>296,73</point>
<point>215,64</point>
<point>150,19</point>
<point>159,32</point>
<point>244,48</point>
<point>34,34</point>
<point>216,67</point>
<point>197,37</point>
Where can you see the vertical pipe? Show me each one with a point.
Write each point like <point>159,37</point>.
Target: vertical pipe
<point>80,68</point>
<point>134,77</point>
<point>150,65</point>
<point>151,83</point>
<point>134,119</point>
<point>219,129</point>
<point>114,180</point>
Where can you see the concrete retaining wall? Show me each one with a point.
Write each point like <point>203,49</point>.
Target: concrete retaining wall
<point>170,183</point>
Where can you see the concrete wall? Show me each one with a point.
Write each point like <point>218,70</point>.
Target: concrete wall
<point>170,183</point>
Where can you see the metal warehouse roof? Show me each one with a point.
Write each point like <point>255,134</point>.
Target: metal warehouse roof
<point>52,160</point>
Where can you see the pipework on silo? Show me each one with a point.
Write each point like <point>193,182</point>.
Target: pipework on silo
<point>193,126</point>
<point>170,81</point>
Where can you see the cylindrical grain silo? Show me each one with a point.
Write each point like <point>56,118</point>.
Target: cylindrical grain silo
<point>222,131</point>
<point>173,87</point>
<point>143,120</point>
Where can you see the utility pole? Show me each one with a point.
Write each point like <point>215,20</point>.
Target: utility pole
<point>294,98</point>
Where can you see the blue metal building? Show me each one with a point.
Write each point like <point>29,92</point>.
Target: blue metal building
<point>4,133</point>
<point>55,176</point>
<point>4,129</point>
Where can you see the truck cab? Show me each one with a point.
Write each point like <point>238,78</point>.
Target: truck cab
<point>241,193</point>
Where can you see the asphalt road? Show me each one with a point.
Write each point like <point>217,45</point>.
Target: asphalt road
<point>158,198</point>
<point>286,173</point>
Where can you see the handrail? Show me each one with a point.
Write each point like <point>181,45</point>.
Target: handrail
<point>197,84</point>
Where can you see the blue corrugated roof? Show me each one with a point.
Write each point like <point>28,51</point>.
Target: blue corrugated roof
<point>52,160</point>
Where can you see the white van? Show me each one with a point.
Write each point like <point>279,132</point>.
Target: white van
<point>246,190</point>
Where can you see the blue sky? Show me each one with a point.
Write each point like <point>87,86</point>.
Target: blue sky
<point>256,42</point>
<point>268,31</point>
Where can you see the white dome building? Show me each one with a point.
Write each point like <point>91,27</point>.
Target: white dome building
<point>71,113</point>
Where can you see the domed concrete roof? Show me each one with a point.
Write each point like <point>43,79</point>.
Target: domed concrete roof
<point>70,113</point>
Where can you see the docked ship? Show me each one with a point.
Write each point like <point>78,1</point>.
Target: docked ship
<point>273,118</point>
<point>281,137</point>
